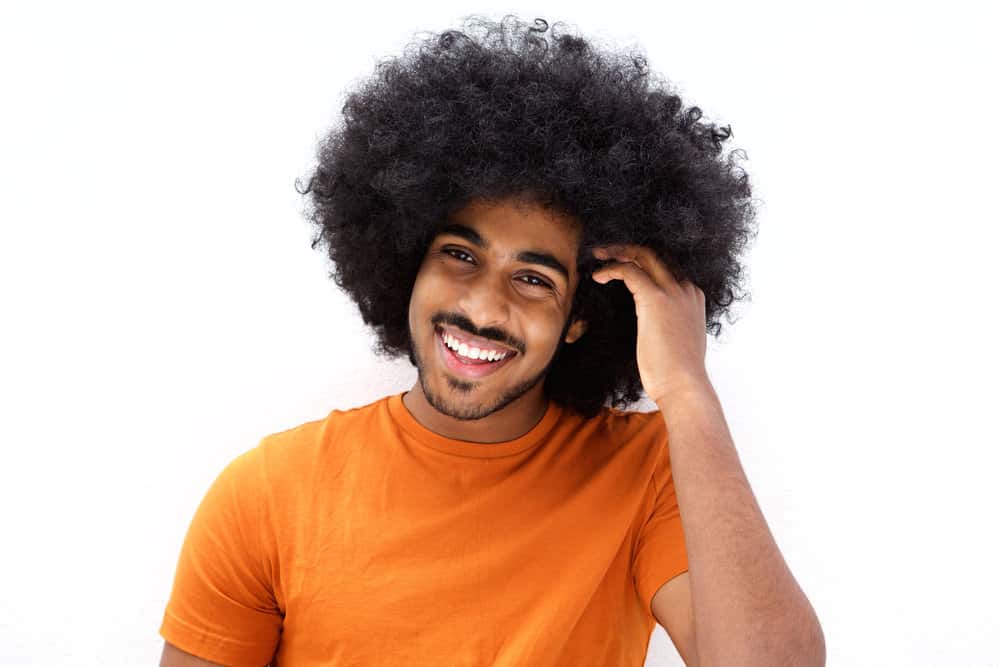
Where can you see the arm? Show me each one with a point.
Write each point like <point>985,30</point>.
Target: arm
<point>739,605</point>
<point>222,605</point>
<point>671,606</point>
<point>740,595</point>
<point>174,657</point>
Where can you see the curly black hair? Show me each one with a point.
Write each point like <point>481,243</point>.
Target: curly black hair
<point>507,109</point>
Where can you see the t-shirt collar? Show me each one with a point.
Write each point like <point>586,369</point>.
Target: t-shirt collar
<point>408,423</point>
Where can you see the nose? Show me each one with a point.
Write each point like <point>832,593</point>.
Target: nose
<point>485,302</point>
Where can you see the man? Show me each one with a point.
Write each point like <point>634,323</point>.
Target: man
<point>546,236</point>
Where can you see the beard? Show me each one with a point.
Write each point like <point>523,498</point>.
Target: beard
<point>451,408</point>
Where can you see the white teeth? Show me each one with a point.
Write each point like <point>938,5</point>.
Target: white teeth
<point>472,352</point>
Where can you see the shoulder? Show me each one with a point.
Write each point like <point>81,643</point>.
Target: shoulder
<point>299,447</point>
<point>645,434</point>
<point>633,426</point>
<point>638,435</point>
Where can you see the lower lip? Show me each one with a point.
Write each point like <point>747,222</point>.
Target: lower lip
<point>467,370</point>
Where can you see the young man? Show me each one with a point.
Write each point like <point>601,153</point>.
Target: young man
<point>547,236</point>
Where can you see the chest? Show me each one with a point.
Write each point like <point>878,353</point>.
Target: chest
<point>465,565</point>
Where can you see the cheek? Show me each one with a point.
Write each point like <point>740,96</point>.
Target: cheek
<point>427,288</point>
<point>430,294</point>
<point>543,334</point>
<point>417,299</point>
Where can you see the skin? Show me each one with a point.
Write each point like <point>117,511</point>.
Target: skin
<point>490,292</point>
<point>175,657</point>
<point>738,604</point>
<point>485,291</point>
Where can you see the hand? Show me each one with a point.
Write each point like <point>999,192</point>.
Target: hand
<point>670,349</point>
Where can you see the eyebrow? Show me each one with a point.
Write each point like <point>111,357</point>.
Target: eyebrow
<point>529,256</point>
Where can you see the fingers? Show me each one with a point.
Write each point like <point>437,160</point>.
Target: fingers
<point>640,256</point>
<point>635,278</point>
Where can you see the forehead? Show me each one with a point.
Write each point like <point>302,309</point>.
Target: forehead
<point>518,225</point>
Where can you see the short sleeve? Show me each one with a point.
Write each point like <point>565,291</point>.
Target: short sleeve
<point>660,553</point>
<point>222,607</point>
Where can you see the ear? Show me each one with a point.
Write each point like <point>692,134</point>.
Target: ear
<point>575,331</point>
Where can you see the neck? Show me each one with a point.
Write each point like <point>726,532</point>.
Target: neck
<point>509,423</point>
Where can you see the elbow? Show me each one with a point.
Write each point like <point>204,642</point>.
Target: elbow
<point>816,647</point>
<point>803,647</point>
<point>794,638</point>
<point>804,644</point>
<point>804,639</point>
<point>808,648</point>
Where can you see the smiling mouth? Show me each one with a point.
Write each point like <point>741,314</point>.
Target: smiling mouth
<point>463,365</point>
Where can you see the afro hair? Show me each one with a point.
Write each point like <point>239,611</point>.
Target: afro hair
<point>507,109</point>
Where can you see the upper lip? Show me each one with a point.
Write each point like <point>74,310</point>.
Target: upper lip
<point>475,340</point>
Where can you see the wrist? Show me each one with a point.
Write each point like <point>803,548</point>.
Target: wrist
<point>685,392</point>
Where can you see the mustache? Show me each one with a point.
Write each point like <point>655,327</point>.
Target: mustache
<point>489,333</point>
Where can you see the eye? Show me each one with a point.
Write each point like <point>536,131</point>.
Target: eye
<point>539,282</point>
<point>463,256</point>
<point>455,252</point>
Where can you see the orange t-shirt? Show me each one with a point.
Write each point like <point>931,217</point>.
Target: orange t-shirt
<point>367,539</point>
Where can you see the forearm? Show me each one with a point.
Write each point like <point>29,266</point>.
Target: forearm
<point>748,608</point>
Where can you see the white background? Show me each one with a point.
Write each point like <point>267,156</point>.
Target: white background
<point>162,309</point>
